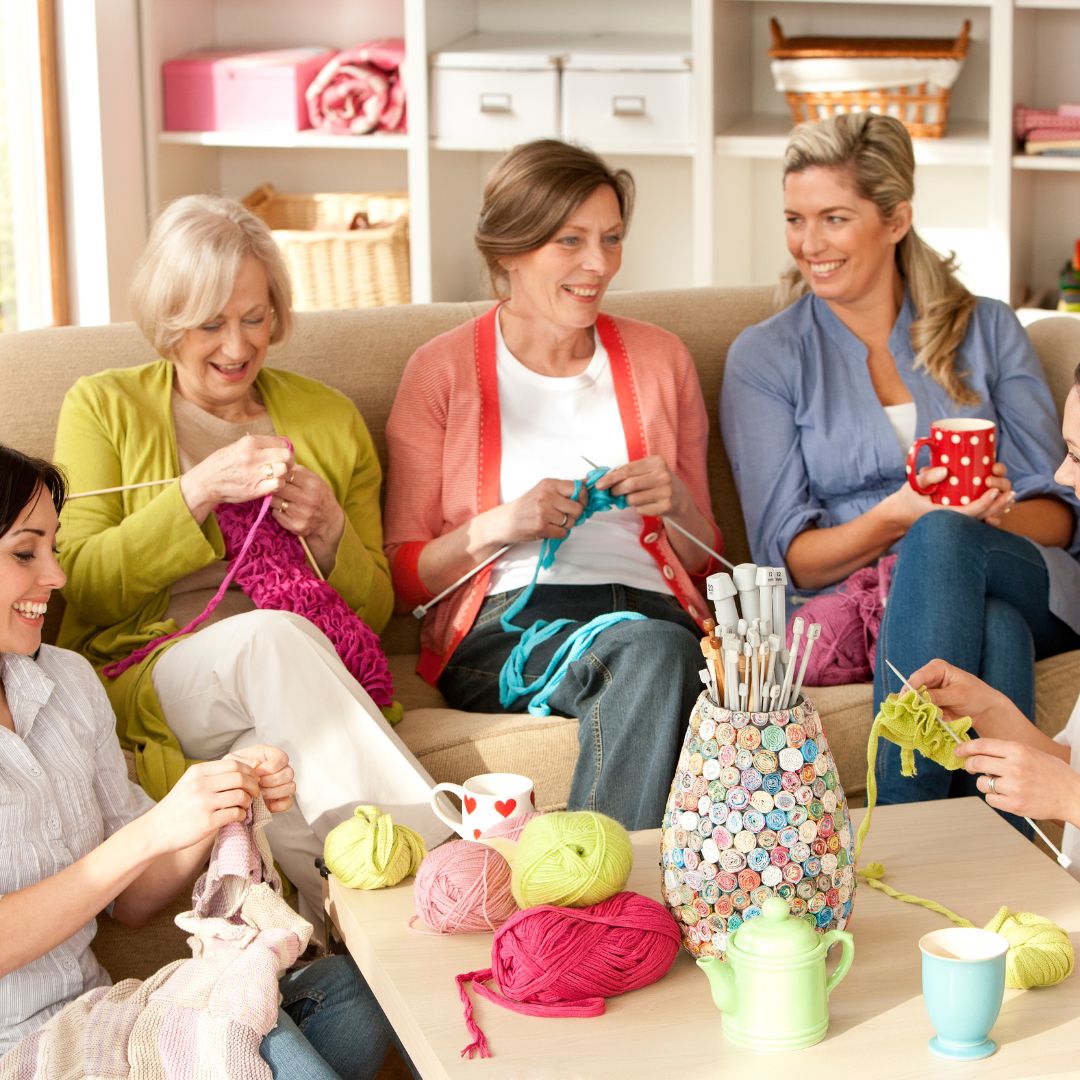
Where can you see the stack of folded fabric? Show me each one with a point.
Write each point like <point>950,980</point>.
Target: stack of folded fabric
<point>1055,132</point>
<point>1069,283</point>
<point>360,90</point>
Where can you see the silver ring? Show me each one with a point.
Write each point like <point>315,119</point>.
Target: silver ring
<point>991,785</point>
<point>565,519</point>
<point>268,470</point>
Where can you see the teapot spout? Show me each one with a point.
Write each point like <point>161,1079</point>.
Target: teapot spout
<point>721,981</point>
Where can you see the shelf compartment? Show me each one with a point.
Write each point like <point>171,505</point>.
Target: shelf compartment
<point>765,135</point>
<point>284,140</point>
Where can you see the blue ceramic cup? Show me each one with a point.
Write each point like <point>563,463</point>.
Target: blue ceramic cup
<point>963,979</point>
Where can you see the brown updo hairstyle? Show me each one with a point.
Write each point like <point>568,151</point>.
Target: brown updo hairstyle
<point>532,190</point>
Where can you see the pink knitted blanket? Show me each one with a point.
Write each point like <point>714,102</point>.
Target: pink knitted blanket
<point>205,1016</point>
<point>269,564</point>
<point>360,90</point>
<point>850,621</point>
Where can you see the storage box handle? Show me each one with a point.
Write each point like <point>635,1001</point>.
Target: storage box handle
<point>496,103</point>
<point>627,105</point>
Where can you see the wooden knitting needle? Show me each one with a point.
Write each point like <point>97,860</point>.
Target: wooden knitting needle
<point>159,483</point>
<point>120,487</point>
<point>1062,858</point>
<point>678,528</point>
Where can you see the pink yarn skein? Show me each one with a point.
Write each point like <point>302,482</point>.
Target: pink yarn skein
<point>850,620</point>
<point>463,887</point>
<point>554,961</point>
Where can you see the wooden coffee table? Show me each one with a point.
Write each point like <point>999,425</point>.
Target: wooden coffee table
<point>959,853</point>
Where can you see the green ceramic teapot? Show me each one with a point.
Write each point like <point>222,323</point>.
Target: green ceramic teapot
<point>772,988</point>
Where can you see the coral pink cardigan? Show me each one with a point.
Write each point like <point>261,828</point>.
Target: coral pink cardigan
<point>443,438</point>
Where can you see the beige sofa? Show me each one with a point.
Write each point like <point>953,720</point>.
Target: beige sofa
<point>362,354</point>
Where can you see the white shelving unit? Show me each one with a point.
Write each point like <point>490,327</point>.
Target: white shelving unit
<point>709,212</point>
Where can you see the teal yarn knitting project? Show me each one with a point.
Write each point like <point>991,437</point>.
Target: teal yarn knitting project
<point>512,684</point>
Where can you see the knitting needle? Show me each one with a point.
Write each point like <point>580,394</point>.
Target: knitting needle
<point>813,632</point>
<point>796,635</point>
<point>421,610</point>
<point>1062,858</point>
<point>678,528</point>
<point>121,487</point>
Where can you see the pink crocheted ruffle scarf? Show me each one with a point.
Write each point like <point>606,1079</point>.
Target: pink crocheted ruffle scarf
<point>268,563</point>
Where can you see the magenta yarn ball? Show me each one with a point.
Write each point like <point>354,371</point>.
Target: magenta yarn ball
<point>463,887</point>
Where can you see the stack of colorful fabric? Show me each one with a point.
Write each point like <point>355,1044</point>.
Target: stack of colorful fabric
<point>1055,132</point>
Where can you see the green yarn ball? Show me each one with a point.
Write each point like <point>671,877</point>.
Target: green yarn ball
<point>370,852</point>
<point>1040,952</point>
<point>570,859</point>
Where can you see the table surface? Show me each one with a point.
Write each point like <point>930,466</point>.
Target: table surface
<point>959,853</point>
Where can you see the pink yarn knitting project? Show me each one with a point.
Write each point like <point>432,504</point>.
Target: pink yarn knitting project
<point>554,961</point>
<point>269,564</point>
<point>850,621</point>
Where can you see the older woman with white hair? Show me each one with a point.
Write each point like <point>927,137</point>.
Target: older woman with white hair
<point>188,439</point>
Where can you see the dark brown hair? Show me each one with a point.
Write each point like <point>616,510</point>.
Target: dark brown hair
<point>532,191</point>
<point>20,478</point>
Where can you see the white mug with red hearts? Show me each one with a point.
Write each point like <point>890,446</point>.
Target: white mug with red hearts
<point>486,800</point>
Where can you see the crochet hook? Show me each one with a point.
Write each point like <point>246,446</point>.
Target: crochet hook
<point>1062,858</point>
<point>678,528</point>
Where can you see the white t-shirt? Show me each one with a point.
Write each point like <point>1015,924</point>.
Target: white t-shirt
<point>549,425</point>
<point>1070,736</point>
<point>903,418</point>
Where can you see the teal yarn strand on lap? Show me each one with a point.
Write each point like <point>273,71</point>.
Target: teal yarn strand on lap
<point>512,684</point>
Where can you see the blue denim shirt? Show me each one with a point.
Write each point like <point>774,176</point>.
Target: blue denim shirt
<point>810,443</point>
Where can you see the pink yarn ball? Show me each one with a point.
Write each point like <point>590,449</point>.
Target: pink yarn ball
<point>464,887</point>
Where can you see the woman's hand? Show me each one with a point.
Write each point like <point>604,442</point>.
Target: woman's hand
<point>545,512</point>
<point>905,505</point>
<point>305,506</point>
<point>250,468</point>
<point>650,487</point>
<point>209,795</point>
<point>958,693</point>
<point>276,777</point>
<point>1026,781</point>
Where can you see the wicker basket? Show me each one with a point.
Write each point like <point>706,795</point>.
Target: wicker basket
<point>342,250</point>
<point>922,106</point>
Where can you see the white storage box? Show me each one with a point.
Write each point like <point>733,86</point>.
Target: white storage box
<point>614,98</point>
<point>492,91</point>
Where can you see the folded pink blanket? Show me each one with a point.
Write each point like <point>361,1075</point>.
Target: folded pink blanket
<point>360,90</point>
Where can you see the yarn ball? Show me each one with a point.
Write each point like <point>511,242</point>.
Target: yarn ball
<point>464,888</point>
<point>1040,952</point>
<point>370,852</point>
<point>556,961</point>
<point>571,859</point>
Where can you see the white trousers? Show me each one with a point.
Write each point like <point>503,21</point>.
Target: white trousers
<point>273,677</point>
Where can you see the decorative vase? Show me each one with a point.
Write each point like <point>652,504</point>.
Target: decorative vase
<point>756,809</point>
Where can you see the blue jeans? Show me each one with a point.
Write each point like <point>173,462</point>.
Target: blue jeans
<point>977,597</point>
<point>329,1025</point>
<point>631,693</point>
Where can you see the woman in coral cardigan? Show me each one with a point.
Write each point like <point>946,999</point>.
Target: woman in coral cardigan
<point>493,424</point>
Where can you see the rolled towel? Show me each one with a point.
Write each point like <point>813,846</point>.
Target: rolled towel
<point>360,90</point>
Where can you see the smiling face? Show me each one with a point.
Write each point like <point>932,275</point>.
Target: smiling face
<point>563,281</point>
<point>29,573</point>
<point>843,247</point>
<point>1068,473</point>
<point>216,363</point>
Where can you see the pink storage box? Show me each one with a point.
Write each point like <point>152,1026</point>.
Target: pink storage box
<point>240,90</point>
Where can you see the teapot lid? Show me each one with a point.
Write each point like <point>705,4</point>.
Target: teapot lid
<point>775,932</point>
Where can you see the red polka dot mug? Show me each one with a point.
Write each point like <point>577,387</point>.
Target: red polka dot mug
<point>967,449</point>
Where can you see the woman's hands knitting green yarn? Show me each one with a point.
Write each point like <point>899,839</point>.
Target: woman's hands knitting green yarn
<point>957,693</point>
<point>1027,781</point>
